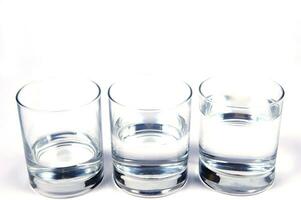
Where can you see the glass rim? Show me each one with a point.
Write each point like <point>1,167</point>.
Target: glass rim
<point>187,99</point>
<point>281,97</point>
<point>19,102</point>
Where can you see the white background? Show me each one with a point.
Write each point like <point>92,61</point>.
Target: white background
<point>106,40</point>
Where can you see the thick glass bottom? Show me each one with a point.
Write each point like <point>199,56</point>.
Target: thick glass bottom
<point>65,188</point>
<point>236,184</point>
<point>149,185</point>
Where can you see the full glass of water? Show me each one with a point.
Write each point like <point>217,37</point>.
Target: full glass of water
<point>61,129</point>
<point>240,121</point>
<point>150,121</point>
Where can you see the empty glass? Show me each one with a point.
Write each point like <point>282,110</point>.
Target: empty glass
<point>150,120</point>
<point>240,121</point>
<point>61,129</point>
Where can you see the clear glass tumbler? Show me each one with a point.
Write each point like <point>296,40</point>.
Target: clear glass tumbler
<point>150,121</point>
<point>61,128</point>
<point>240,121</point>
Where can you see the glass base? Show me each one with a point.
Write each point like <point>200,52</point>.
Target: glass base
<point>236,184</point>
<point>149,187</point>
<point>65,188</point>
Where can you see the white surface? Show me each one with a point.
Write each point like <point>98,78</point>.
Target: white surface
<point>108,40</point>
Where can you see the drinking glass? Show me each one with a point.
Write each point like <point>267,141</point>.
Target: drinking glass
<point>150,121</point>
<point>61,129</point>
<point>240,119</point>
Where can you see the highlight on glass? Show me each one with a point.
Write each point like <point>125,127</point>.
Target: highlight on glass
<point>61,128</point>
<point>240,120</point>
<point>150,122</point>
